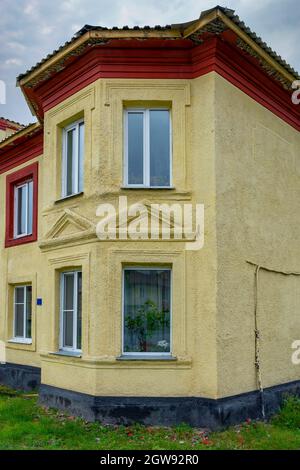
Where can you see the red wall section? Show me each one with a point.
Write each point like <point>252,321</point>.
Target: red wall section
<point>166,60</point>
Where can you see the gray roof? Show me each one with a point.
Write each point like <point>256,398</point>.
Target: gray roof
<point>228,12</point>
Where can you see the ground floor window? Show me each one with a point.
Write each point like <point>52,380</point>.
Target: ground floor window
<point>147,311</point>
<point>71,311</point>
<point>22,312</point>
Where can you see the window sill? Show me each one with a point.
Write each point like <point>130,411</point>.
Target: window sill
<point>167,188</point>
<point>66,198</point>
<point>20,341</point>
<point>11,242</point>
<point>139,357</point>
<point>67,353</point>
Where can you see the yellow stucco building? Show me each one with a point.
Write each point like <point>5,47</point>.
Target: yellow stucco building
<point>134,324</point>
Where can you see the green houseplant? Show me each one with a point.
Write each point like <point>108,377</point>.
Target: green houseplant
<point>147,320</point>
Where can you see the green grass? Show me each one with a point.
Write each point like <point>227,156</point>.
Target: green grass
<point>25,425</point>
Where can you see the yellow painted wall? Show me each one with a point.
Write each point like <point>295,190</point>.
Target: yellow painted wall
<point>258,219</point>
<point>230,154</point>
<point>19,265</point>
<point>66,240</point>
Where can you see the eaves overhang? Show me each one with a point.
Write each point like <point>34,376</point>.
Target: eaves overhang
<point>215,21</point>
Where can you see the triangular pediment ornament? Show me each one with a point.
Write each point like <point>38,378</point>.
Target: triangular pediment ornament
<point>70,226</point>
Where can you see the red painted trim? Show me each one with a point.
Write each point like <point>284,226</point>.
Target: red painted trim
<point>20,151</point>
<point>158,59</point>
<point>25,174</point>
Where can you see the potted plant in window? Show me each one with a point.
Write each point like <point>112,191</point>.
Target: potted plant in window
<point>146,322</point>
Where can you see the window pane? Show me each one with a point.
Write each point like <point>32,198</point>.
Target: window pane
<point>68,303</point>
<point>19,320</point>
<point>70,162</point>
<point>28,311</point>
<point>19,295</point>
<point>147,311</point>
<point>80,157</point>
<point>21,210</point>
<point>159,148</point>
<point>30,207</point>
<point>79,311</point>
<point>68,329</point>
<point>135,148</point>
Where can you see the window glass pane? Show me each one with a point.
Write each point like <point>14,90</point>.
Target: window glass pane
<point>19,320</point>
<point>147,311</point>
<point>80,157</point>
<point>28,311</point>
<point>68,329</point>
<point>21,210</point>
<point>159,148</point>
<point>68,292</point>
<point>70,162</point>
<point>19,295</point>
<point>79,311</point>
<point>135,148</point>
<point>30,207</point>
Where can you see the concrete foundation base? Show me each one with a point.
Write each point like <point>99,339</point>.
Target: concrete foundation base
<point>197,412</point>
<point>20,377</point>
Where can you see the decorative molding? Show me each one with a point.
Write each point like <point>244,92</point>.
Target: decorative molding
<point>85,230</point>
<point>177,259</point>
<point>73,100</point>
<point>146,85</point>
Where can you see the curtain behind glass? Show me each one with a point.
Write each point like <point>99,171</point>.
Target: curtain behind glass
<point>147,311</point>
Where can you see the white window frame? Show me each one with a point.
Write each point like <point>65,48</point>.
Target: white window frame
<point>75,167</point>
<point>147,268</point>
<point>28,230</point>
<point>75,312</point>
<point>24,338</point>
<point>146,149</point>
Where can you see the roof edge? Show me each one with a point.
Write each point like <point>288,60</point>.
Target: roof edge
<point>263,54</point>
<point>93,34</point>
<point>20,133</point>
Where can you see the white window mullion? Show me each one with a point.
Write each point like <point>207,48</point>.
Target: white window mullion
<point>171,149</point>
<point>75,176</point>
<point>147,148</point>
<point>24,312</point>
<point>64,164</point>
<point>126,165</point>
<point>16,207</point>
<point>62,296</point>
<point>15,312</point>
<point>26,202</point>
<point>75,308</point>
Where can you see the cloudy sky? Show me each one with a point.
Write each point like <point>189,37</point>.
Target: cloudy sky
<point>31,29</point>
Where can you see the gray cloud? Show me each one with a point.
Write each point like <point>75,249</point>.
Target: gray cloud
<point>31,29</point>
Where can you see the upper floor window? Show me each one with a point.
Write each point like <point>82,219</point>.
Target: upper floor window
<point>73,155</point>
<point>23,209</point>
<point>148,145</point>
<point>22,206</point>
